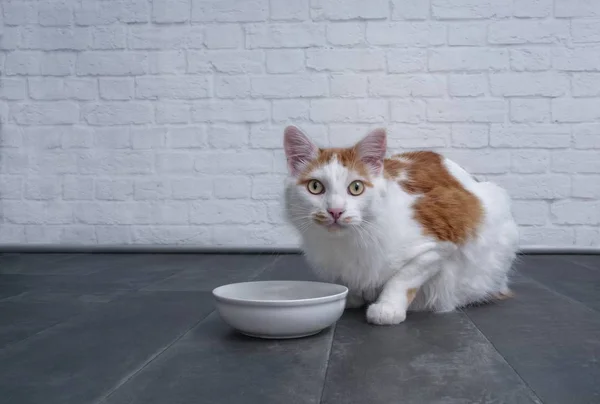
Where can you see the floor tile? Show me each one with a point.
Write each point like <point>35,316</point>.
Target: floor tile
<point>589,261</point>
<point>83,359</point>
<point>550,340</point>
<point>288,268</point>
<point>431,358</point>
<point>214,364</point>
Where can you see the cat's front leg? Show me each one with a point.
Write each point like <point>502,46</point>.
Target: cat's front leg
<point>400,290</point>
<point>354,300</point>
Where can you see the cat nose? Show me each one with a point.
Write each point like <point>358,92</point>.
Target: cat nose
<point>335,213</point>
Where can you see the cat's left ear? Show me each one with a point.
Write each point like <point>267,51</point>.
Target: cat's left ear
<point>371,150</point>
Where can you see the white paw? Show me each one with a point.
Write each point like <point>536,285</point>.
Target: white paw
<point>385,314</point>
<point>354,301</point>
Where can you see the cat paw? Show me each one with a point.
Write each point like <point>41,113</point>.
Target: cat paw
<point>385,314</point>
<point>354,301</point>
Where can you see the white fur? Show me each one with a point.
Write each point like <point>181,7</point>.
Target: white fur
<point>382,252</point>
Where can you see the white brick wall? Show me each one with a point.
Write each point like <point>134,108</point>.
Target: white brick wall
<point>160,121</point>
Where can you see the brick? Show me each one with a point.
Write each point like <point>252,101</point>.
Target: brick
<point>112,138</point>
<point>58,64</point>
<point>265,187</point>
<point>405,34</point>
<point>13,88</point>
<point>587,236</point>
<point>239,162</point>
<point>255,235</point>
<point>17,12</point>
<point>585,84</point>
<point>131,11</point>
<point>232,86</point>
<point>527,32</point>
<point>346,33</point>
<point>55,14</point>
<point>226,36</point>
<point>406,60</point>
<point>13,136</point>
<point>581,58</point>
<point>227,136</point>
<point>575,212</point>
<point>467,85</point>
<point>53,162</point>
<point>172,235</point>
<point>285,61</point>
<point>544,236</point>
<point>55,113</point>
<point>532,8</point>
<point>530,212</point>
<point>116,88</point>
<point>36,137</point>
<point>536,186</point>
<point>529,110</point>
<point>348,85</point>
<point>410,10</point>
<point>92,12</point>
<point>529,161</point>
<point>232,187</point>
<point>191,188</point>
<point>115,235</point>
<point>528,84</point>
<point>576,8</point>
<point>230,62</point>
<point>187,137</point>
<point>289,86</point>
<point>116,162</point>
<point>407,85</point>
<point>42,235</point>
<point>42,188</point>
<point>190,87</point>
<point>575,110</point>
<point>175,163</point>
<point>349,9</point>
<point>348,111</point>
<point>164,212</point>
<point>170,11</point>
<point>470,136</point>
<point>580,162</point>
<point>587,136</point>
<point>530,136</point>
<point>55,38</point>
<point>11,186</point>
<point>37,212</point>
<point>11,38</point>
<point>156,37</point>
<point>77,188</point>
<point>286,110</point>
<point>471,9</point>
<point>76,137</point>
<point>476,111</point>
<point>345,59</point>
<point>172,112</point>
<point>101,213</point>
<point>109,37</point>
<point>408,111</point>
<point>586,186</point>
<point>148,138</point>
<point>467,34</point>
<point>482,161</point>
<point>229,10</point>
<point>530,59</point>
<point>23,63</point>
<point>346,135</point>
<point>117,113</point>
<point>227,211</point>
<point>14,162</point>
<point>407,137</point>
<point>292,35</point>
<point>81,89</point>
<point>290,11</point>
<point>12,234</point>
<point>151,189</point>
<point>230,111</point>
<point>106,63</point>
<point>585,30</point>
<point>114,189</point>
<point>468,59</point>
<point>47,88</point>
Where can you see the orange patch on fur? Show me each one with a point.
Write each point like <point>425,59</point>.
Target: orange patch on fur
<point>347,157</point>
<point>446,210</point>
<point>410,294</point>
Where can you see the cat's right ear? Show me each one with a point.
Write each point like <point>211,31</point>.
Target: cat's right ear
<point>299,150</point>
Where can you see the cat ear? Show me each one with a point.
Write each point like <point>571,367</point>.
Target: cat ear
<point>299,150</point>
<point>372,149</point>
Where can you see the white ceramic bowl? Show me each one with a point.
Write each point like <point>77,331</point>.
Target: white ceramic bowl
<point>280,309</point>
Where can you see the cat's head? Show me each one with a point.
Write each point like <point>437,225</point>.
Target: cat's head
<point>332,188</point>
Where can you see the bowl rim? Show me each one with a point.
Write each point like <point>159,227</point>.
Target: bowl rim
<point>280,302</point>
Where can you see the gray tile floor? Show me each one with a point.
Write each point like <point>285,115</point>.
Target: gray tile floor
<point>117,328</point>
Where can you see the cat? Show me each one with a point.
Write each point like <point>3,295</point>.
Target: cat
<point>414,231</point>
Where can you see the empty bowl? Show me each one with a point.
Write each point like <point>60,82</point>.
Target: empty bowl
<point>280,309</point>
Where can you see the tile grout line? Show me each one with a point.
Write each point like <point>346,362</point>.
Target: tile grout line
<point>327,362</point>
<point>503,358</point>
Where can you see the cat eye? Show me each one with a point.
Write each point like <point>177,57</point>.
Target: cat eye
<point>315,187</point>
<point>356,188</point>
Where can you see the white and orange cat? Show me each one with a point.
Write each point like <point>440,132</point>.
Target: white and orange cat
<point>411,232</point>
